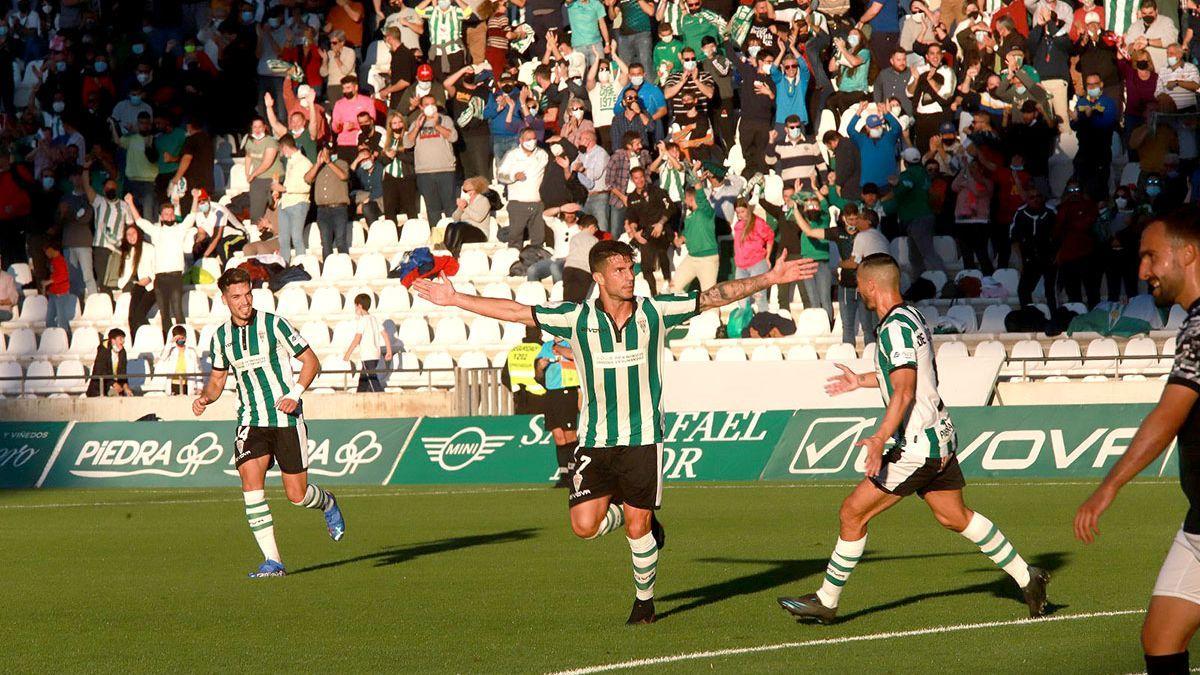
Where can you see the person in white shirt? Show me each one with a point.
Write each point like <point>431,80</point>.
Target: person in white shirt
<point>170,240</point>
<point>179,358</point>
<point>1180,80</point>
<point>218,233</point>
<point>1152,33</point>
<point>522,170</point>
<point>293,199</point>
<point>126,112</point>
<point>368,340</point>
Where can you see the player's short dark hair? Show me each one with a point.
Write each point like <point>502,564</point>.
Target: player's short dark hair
<point>587,220</point>
<point>116,333</point>
<point>870,189</point>
<point>1182,225</point>
<point>830,136</point>
<point>232,277</point>
<point>629,137</point>
<point>178,329</point>
<point>350,79</point>
<point>363,300</point>
<point>604,250</point>
<point>877,260</point>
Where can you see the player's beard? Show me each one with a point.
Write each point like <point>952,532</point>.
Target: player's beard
<point>1163,290</point>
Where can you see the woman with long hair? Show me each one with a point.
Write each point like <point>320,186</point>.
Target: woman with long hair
<point>1141,81</point>
<point>399,172</point>
<point>752,244</point>
<point>137,277</point>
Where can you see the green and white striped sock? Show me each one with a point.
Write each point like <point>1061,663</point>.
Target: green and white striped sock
<point>992,543</point>
<point>645,565</point>
<point>315,498</point>
<point>613,520</point>
<point>846,555</point>
<point>258,516</point>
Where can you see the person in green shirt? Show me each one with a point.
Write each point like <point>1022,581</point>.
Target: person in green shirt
<point>589,26</point>
<point>700,236</point>
<point>168,146</point>
<point>910,197</point>
<point>666,53</point>
<point>693,28</point>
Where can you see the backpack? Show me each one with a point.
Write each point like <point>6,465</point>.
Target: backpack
<point>287,276</point>
<point>259,274</point>
<point>1027,319</point>
<point>530,255</point>
<point>494,199</point>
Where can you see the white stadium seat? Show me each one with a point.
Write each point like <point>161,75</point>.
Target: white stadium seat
<point>841,352</point>
<point>693,354</point>
<point>343,335</point>
<point>953,348</point>
<point>473,360</point>
<point>499,290</point>
<point>730,353</point>
<point>33,311</point>
<point>768,352</point>
<point>1097,351</point>
<point>39,369</point>
<point>316,334</point>
<point>965,315</point>
<point>414,233</point>
<point>991,349</point>
<point>84,343</point>
<point>802,353</point>
<point>812,322</point>
<point>263,300</point>
<point>531,293</point>
<point>381,235</point>
<point>484,332</point>
<point>10,378</point>
<point>1007,277</point>
<point>337,267</point>
<point>291,301</point>
<point>413,332</point>
<point>1025,349</point>
<point>450,331</point>
<point>371,267</point>
<point>1063,348</point>
<point>471,264</point>
<point>74,373</point>
<point>503,259</point>
<point>309,263</point>
<point>393,299</point>
<point>22,342</point>
<point>1139,346</point>
<point>196,305</point>
<point>993,319</point>
<point>148,342</point>
<point>53,343</point>
<point>325,302</point>
<point>98,308</point>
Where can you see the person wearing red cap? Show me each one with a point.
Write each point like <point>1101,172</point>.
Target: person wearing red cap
<point>410,99</point>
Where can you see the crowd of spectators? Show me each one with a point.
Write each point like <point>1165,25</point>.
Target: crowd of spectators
<point>670,122</point>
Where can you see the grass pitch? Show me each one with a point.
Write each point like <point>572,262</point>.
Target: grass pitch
<point>491,580</point>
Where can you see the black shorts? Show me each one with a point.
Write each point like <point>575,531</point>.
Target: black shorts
<point>903,474</point>
<point>631,474</point>
<point>562,408</point>
<point>287,446</point>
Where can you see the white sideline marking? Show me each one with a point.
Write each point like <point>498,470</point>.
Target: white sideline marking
<point>934,630</point>
<point>540,488</point>
<point>62,438</point>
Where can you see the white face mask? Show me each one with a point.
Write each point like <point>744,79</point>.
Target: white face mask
<point>443,4</point>
<point>1172,61</point>
<point>877,132</point>
<point>765,69</point>
<point>794,133</point>
<point>636,80</point>
<point>753,50</point>
<point>204,207</point>
<point>424,87</point>
<point>59,106</point>
<point>1122,202</point>
<point>529,145</point>
<point>689,65</point>
<point>430,110</point>
<point>852,40</point>
<point>257,137</point>
<point>577,114</point>
<point>604,76</point>
<point>296,132</point>
<point>980,36</point>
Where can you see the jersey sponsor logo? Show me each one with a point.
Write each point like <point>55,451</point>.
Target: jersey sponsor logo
<point>621,359</point>
<point>296,339</point>
<point>828,444</point>
<point>120,458</point>
<point>464,448</point>
<point>903,355</point>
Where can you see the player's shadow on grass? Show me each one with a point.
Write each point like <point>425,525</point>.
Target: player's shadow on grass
<point>778,573</point>
<point>402,554</point>
<point>1001,587</point>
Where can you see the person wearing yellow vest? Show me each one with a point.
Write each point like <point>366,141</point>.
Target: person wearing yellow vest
<point>556,369</point>
<point>520,375</point>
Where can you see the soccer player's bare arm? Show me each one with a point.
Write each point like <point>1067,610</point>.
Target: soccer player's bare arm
<point>211,392</point>
<point>783,272</point>
<point>904,392</point>
<point>1152,437</point>
<point>442,293</point>
<point>848,380</point>
<point>310,365</point>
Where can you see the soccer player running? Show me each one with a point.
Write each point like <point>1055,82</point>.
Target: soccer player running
<point>1170,264</point>
<point>258,347</point>
<point>922,459</point>
<point>617,340</point>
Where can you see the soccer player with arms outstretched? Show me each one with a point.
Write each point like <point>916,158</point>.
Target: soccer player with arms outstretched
<point>1170,264</point>
<point>258,347</point>
<point>922,459</point>
<point>616,473</point>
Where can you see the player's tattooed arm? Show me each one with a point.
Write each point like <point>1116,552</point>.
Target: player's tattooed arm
<point>785,271</point>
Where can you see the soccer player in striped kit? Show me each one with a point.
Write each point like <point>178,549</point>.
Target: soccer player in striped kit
<point>258,348</point>
<point>617,339</point>
<point>922,459</point>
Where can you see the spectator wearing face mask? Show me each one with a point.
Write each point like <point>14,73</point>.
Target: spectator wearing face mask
<point>432,136</point>
<point>1050,55</point>
<point>127,111</point>
<point>1179,81</point>
<point>112,215</point>
<point>523,170</point>
<point>1094,120</point>
<point>8,294</point>
<point>170,240</point>
<point>298,127</point>
<point>651,103</point>
<point>141,167</point>
<point>74,218</point>
<point>854,239</point>
<point>1029,135</point>
<point>262,166</point>
<point>1033,233</point>
<point>330,178</point>
<point>1153,32</point>
<point>109,367</point>
<point>718,67</point>
<point>1097,55</point>
<point>292,192</point>
<point>1075,245</point>
<point>338,64</point>
<point>634,37</point>
<point>758,107</point>
<point>444,27</point>
<point>851,61</point>
<point>648,217</point>
<point>795,158</point>
<point>181,361</point>
<point>410,98</point>
<point>345,117</point>
<point>218,235</point>
<point>877,145</point>
<point>699,235</point>
<point>910,194</point>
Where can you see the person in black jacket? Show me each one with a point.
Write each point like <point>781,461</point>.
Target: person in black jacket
<point>109,368</point>
<point>1029,135</point>
<point>1032,232</point>
<point>847,165</point>
<point>648,219</point>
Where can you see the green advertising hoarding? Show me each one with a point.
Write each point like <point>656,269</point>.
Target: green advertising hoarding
<point>1069,441</point>
<point>699,446</point>
<point>144,454</point>
<point>25,451</point>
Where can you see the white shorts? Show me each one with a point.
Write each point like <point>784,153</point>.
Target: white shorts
<point>1180,573</point>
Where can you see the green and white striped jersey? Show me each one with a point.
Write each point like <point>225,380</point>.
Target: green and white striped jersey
<point>259,354</point>
<point>445,29</point>
<point>620,367</point>
<point>903,340</point>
